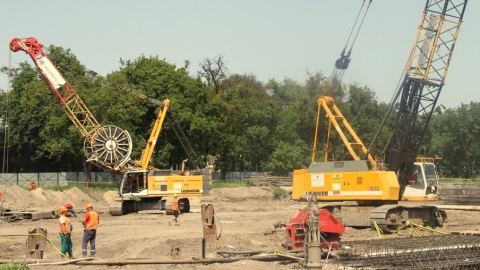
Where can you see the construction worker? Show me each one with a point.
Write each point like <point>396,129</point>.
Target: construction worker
<point>65,231</point>
<point>175,210</point>
<point>90,222</point>
<point>70,207</point>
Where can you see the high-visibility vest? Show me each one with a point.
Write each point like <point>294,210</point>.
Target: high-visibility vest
<point>67,225</point>
<point>92,222</point>
<point>175,204</point>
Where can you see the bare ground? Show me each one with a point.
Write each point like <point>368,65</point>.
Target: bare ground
<point>245,219</point>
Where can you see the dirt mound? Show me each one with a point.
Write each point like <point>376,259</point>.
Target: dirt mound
<point>110,195</point>
<point>17,198</point>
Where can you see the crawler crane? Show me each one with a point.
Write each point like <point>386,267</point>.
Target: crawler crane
<point>146,188</point>
<point>377,187</point>
<point>142,187</point>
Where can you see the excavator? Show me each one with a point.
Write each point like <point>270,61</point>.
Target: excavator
<point>373,190</point>
<point>109,147</point>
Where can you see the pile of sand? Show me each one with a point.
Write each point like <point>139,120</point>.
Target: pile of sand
<point>18,199</point>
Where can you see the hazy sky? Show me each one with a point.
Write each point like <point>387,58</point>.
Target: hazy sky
<point>266,38</point>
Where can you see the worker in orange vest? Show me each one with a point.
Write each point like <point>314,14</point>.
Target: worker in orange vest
<point>65,233</point>
<point>90,223</point>
<point>175,210</point>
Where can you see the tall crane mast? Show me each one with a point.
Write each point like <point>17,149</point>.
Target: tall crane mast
<point>424,79</point>
<point>107,147</point>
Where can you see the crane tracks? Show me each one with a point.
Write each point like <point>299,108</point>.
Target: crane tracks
<point>390,217</point>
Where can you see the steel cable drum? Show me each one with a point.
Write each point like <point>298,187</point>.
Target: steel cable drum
<point>109,147</point>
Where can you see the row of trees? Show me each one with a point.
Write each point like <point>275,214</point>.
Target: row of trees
<point>235,120</point>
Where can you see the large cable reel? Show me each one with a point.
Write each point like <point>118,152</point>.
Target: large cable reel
<point>109,147</point>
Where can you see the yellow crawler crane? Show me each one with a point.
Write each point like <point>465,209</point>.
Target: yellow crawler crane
<point>109,147</point>
<point>147,188</point>
<point>364,181</point>
<point>378,186</point>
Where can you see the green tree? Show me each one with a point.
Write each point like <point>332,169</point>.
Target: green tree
<point>287,157</point>
<point>455,136</point>
<point>365,115</point>
<point>41,134</point>
<point>249,122</point>
<point>192,105</point>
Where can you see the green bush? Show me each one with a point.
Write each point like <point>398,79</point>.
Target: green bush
<point>14,266</point>
<point>279,193</point>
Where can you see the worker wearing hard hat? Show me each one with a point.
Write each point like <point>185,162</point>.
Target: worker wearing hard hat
<point>175,210</point>
<point>90,222</point>
<point>70,207</point>
<point>65,231</point>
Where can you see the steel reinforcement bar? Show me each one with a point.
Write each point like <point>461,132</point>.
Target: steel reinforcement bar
<point>459,194</point>
<point>426,252</point>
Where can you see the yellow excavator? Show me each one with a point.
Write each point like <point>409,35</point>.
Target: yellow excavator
<point>377,185</point>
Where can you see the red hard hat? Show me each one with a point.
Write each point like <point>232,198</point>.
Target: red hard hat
<point>69,205</point>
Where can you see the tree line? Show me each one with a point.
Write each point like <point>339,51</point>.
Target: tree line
<point>235,121</point>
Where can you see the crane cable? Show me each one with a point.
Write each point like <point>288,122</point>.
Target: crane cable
<point>342,63</point>
<point>359,27</point>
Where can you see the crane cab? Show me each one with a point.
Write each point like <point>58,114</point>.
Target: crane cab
<point>422,183</point>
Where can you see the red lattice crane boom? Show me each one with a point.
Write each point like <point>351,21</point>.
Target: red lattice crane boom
<point>107,147</point>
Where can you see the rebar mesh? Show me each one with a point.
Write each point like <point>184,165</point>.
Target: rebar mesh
<point>459,194</point>
<point>425,252</point>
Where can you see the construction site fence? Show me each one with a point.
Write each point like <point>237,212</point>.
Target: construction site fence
<point>238,176</point>
<point>73,179</point>
<point>68,178</point>
<point>49,179</point>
